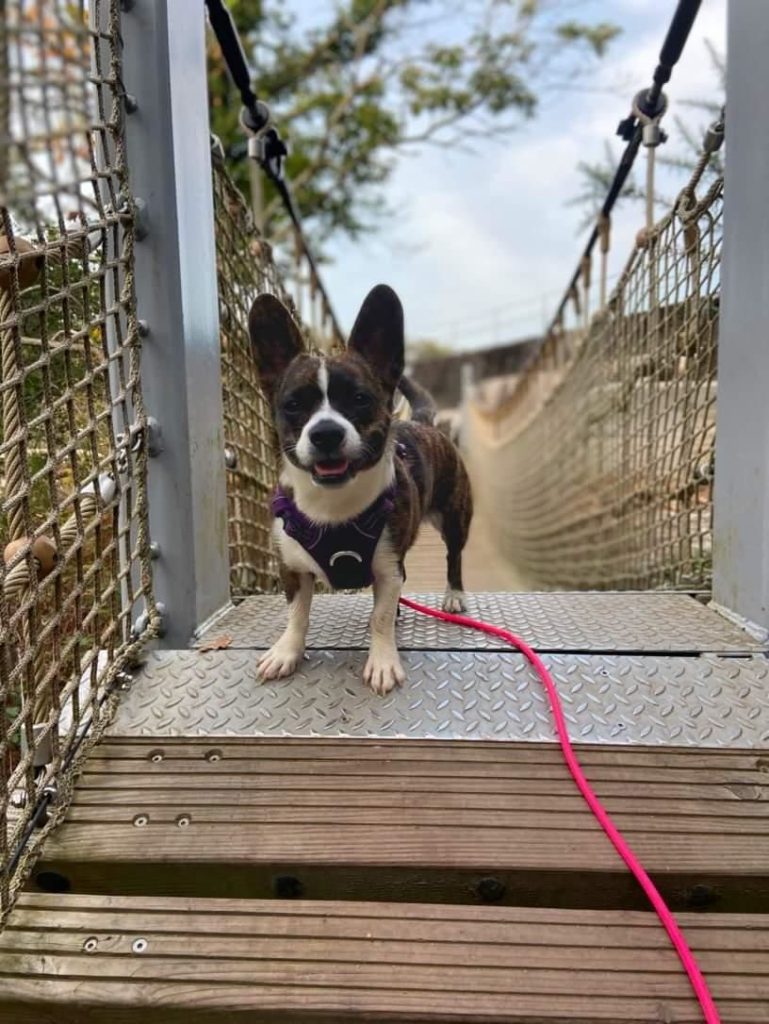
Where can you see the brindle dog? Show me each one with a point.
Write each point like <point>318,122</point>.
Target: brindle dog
<point>342,454</point>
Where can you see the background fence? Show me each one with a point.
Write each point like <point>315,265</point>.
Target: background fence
<point>75,575</point>
<point>598,466</point>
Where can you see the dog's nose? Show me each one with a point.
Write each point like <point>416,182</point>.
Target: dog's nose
<point>327,436</point>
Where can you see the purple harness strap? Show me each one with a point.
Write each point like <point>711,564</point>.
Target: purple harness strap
<point>344,551</point>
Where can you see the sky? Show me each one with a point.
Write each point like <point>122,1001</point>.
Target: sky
<point>484,244</point>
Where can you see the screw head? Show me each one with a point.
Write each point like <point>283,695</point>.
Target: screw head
<point>183,820</point>
<point>139,946</point>
<point>141,820</point>
<point>91,945</point>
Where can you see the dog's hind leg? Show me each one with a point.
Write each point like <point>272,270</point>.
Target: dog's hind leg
<point>455,525</point>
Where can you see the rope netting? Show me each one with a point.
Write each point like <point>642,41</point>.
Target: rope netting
<point>596,464</point>
<point>246,268</point>
<point>75,575</point>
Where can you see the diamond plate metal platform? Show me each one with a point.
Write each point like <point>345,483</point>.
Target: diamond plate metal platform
<point>573,622</point>
<point>706,701</point>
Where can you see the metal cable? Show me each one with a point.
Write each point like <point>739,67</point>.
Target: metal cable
<point>649,101</point>
<point>257,114</point>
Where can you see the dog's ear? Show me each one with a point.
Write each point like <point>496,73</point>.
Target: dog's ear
<point>377,334</point>
<point>275,339</point>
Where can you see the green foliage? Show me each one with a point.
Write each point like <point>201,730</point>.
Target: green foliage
<point>377,78</point>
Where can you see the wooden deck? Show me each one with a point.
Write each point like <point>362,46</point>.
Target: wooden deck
<point>414,821</point>
<point>482,569</point>
<point>207,874</point>
<point>170,961</point>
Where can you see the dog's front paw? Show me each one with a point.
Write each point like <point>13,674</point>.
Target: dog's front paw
<point>280,661</point>
<point>383,672</point>
<point>454,602</point>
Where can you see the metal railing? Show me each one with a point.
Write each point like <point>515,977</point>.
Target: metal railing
<point>76,582</point>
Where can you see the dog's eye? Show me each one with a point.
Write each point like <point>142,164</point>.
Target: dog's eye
<point>291,405</point>
<point>361,398</point>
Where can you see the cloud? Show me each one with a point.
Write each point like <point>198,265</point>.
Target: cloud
<point>490,243</point>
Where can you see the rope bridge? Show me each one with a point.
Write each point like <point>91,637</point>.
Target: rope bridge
<point>601,452</point>
<point>607,440</point>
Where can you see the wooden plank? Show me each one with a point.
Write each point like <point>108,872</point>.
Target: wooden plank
<point>74,959</point>
<point>414,821</point>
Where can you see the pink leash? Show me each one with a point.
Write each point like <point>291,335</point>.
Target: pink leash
<point>686,956</point>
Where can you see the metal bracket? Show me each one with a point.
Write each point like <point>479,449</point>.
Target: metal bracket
<point>714,136</point>
<point>269,151</point>
<point>132,442</point>
<point>142,621</point>
<point>135,211</point>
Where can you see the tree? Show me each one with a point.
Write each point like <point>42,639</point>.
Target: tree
<point>379,78</point>
<point>682,158</point>
<point>424,349</point>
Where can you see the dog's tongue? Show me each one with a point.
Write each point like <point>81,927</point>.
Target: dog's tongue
<point>332,468</point>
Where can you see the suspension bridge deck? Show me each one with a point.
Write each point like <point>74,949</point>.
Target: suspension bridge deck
<point>306,851</point>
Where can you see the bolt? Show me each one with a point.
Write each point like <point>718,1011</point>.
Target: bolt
<point>287,887</point>
<point>142,328</point>
<point>213,755</point>
<point>155,756</point>
<point>141,820</point>
<point>154,550</point>
<point>90,945</point>
<point>490,890</point>
<point>139,946</point>
<point>183,820</point>
<point>131,103</point>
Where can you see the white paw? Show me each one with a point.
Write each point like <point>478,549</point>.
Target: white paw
<point>383,672</point>
<point>454,602</point>
<point>280,661</point>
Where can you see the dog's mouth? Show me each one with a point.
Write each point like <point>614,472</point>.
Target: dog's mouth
<point>331,472</point>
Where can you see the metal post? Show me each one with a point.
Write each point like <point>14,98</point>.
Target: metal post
<point>168,149</point>
<point>741,542</point>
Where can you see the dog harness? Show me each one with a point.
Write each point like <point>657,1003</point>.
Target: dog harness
<point>344,551</point>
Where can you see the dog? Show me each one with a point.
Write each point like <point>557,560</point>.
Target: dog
<point>355,484</point>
